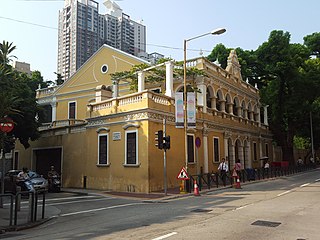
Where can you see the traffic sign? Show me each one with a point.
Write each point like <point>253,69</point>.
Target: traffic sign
<point>6,126</point>
<point>183,175</point>
<point>198,142</point>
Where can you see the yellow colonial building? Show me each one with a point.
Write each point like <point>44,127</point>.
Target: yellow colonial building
<point>101,135</point>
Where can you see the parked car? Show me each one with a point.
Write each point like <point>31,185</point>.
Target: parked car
<point>38,181</point>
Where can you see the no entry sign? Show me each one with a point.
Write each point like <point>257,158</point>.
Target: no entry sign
<point>6,126</point>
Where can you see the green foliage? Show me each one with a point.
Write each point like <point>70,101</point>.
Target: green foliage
<point>155,75</point>
<point>301,142</point>
<point>313,43</point>
<point>17,101</point>
<point>220,53</point>
<point>6,49</point>
<point>289,82</point>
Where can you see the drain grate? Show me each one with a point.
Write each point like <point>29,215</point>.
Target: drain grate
<point>266,223</point>
<point>201,210</point>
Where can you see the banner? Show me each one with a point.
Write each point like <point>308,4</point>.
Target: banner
<point>179,110</point>
<point>191,109</point>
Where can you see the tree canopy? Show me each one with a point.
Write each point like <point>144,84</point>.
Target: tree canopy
<point>17,99</point>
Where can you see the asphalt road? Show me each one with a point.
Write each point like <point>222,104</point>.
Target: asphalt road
<point>285,208</point>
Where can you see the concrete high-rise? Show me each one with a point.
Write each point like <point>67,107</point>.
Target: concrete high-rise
<point>82,31</point>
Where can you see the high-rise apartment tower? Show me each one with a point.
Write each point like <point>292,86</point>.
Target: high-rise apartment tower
<point>82,31</point>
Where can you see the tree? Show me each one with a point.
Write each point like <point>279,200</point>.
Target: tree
<point>59,79</point>
<point>6,49</point>
<point>288,81</point>
<point>279,62</point>
<point>313,43</point>
<point>220,54</point>
<point>17,101</point>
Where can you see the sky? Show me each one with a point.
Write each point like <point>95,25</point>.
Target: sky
<point>32,25</point>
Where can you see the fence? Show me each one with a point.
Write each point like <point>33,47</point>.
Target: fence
<point>210,180</point>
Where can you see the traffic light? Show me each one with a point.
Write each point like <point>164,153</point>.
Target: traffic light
<point>166,144</point>
<point>159,139</point>
<point>9,144</point>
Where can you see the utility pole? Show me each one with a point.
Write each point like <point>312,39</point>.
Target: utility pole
<point>311,130</point>
<point>164,160</point>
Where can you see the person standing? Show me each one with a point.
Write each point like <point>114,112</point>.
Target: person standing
<point>266,169</point>
<point>237,167</point>
<point>223,168</point>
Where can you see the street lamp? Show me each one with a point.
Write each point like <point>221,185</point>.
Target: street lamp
<point>217,31</point>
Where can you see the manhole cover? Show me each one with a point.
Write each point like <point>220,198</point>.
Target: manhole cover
<point>266,223</point>
<point>199,210</point>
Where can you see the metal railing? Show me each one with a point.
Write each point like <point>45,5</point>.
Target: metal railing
<point>214,179</point>
<point>17,216</point>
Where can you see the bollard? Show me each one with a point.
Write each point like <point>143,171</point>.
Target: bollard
<point>18,198</point>
<point>84,182</point>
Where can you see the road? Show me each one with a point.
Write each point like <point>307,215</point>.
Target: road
<point>284,208</point>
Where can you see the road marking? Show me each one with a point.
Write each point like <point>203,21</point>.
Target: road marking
<point>284,193</point>
<point>244,206</point>
<point>100,209</point>
<point>317,180</point>
<point>81,201</point>
<point>165,236</point>
<point>304,185</point>
<point>68,198</point>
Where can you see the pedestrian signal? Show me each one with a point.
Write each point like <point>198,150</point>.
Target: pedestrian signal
<point>159,139</point>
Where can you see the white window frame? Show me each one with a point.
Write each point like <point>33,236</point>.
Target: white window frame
<point>107,153</point>
<point>214,148</point>
<point>137,149</point>
<point>75,109</point>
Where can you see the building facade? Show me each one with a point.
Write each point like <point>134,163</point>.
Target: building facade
<point>83,30</point>
<point>102,134</point>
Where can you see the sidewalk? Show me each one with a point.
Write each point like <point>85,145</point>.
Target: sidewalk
<point>23,216</point>
<point>51,211</point>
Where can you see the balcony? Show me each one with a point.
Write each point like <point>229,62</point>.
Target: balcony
<point>45,92</point>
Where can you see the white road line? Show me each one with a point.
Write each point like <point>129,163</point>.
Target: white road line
<point>283,193</point>
<point>304,185</point>
<point>68,198</point>
<point>317,180</point>
<point>165,236</point>
<point>80,201</point>
<point>99,209</point>
<point>244,206</point>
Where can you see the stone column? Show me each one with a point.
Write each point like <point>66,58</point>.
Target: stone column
<point>230,108</point>
<point>240,154</point>
<point>205,154</point>
<point>115,87</point>
<point>258,117</point>
<point>169,79</point>
<point>201,96</point>
<point>239,111</point>
<point>231,157</point>
<point>214,103</point>
<point>141,77</point>
<point>248,155</point>
<point>54,109</point>
<point>223,105</point>
<point>265,115</point>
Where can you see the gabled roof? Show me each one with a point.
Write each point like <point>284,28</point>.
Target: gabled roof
<point>90,74</point>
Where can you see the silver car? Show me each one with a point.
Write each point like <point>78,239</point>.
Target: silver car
<point>38,181</point>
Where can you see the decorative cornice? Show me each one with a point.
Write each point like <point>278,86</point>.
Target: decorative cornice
<point>134,125</point>
<point>102,129</point>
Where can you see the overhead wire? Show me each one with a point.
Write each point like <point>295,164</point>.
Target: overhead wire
<point>54,28</point>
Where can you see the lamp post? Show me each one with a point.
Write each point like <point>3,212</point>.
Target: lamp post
<point>217,31</point>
